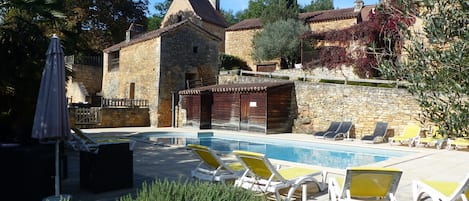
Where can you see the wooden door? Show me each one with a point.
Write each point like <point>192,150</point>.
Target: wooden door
<point>205,110</point>
<point>244,112</point>
<point>132,91</point>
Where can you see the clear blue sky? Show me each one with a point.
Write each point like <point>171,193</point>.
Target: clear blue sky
<point>237,5</point>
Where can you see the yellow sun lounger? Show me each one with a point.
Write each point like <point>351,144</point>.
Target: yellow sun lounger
<point>441,190</point>
<point>411,132</point>
<point>433,139</point>
<point>457,143</point>
<point>212,167</point>
<point>261,176</point>
<point>365,183</point>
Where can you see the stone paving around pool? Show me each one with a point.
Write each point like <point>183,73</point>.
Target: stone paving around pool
<point>173,162</point>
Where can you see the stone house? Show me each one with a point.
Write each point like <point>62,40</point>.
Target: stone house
<point>85,83</point>
<point>154,65</point>
<point>204,13</point>
<point>239,37</point>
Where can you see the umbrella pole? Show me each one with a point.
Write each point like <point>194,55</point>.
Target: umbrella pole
<point>57,168</point>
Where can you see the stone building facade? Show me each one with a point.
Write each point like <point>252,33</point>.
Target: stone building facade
<point>320,103</point>
<point>239,37</point>
<point>155,64</point>
<point>238,40</point>
<point>205,13</point>
<point>85,82</point>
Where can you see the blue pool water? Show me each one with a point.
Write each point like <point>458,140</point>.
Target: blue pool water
<point>322,154</point>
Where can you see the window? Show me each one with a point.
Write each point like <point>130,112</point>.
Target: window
<point>195,49</point>
<point>113,61</point>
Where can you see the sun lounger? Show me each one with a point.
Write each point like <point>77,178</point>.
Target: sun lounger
<point>433,139</point>
<point>332,128</point>
<point>341,133</point>
<point>410,134</point>
<point>378,134</point>
<point>441,190</point>
<point>365,183</point>
<point>81,141</point>
<point>212,167</point>
<point>457,143</point>
<point>261,176</point>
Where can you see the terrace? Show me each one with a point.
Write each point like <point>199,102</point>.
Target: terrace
<point>172,162</point>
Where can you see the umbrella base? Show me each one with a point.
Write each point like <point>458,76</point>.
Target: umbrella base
<point>62,197</point>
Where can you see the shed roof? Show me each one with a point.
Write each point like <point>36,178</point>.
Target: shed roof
<point>206,11</point>
<point>156,33</point>
<point>229,88</point>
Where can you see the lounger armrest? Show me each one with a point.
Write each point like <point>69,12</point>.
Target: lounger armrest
<point>334,189</point>
<point>419,188</point>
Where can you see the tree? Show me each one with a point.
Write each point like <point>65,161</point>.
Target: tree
<point>154,22</point>
<point>318,5</point>
<point>101,24</point>
<point>229,16</point>
<point>270,10</point>
<point>25,28</point>
<point>436,63</point>
<point>276,10</point>
<point>279,39</point>
<point>254,10</point>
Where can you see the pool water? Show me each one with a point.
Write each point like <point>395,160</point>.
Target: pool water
<point>321,154</point>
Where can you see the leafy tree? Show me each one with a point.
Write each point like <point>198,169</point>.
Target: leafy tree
<point>101,24</point>
<point>154,22</point>
<point>162,7</point>
<point>229,62</point>
<point>436,63</point>
<point>279,10</point>
<point>229,16</point>
<point>24,38</point>
<point>318,5</point>
<point>270,10</point>
<point>279,39</point>
<point>254,10</point>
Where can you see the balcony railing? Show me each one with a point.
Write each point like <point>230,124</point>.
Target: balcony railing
<point>123,102</point>
<point>84,60</point>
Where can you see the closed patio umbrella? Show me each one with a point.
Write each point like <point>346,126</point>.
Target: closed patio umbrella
<point>51,117</point>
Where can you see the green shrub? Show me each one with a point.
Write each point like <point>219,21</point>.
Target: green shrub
<point>164,190</point>
<point>229,62</point>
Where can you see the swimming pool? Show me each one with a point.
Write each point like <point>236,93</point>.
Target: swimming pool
<point>322,154</point>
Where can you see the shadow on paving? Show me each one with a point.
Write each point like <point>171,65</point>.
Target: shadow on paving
<point>150,162</point>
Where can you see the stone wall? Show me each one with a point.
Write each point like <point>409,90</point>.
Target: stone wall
<point>217,31</point>
<point>319,103</point>
<point>138,64</point>
<point>85,82</point>
<point>332,25</point>
<point>116,117</point>
<point>184,53</point>
<point>239,44</point>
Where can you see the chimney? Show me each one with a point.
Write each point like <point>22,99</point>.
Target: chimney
<point>358,5</point>
<point>215,4</point>
<point>133,31</point>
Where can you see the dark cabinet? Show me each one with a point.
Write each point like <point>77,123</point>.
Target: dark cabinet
<point>110,168</point>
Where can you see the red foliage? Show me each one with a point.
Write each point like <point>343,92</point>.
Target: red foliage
<point>384,22</point>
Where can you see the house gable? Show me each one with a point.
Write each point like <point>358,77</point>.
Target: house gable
<point>193,9</point>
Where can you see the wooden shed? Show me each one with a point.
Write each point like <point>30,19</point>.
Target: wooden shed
<point>257,107</point>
